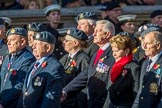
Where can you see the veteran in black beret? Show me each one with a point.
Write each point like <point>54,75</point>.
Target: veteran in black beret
<point>44,82</point>
<point>14,67</point>
<point>74,62</point>
<point>3,46</point>
<point>156,17</point>
<point>86,21</point>
<point>33,29</point>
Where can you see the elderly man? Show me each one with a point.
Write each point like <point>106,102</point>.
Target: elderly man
<point>14,67</point>
<point>44,82</point>
<point>87,22</point>
<point>149,93</point>
<point>96,76</point>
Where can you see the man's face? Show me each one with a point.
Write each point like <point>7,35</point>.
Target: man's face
<point>84,25</point>
<point>157,20</point>
<point>99,35</point>
<point>129,27</point>
<point>39,49</point>
<point>54,16</point>
<point>30,37</point>
<point>149,45</point>
<point>14,43</point>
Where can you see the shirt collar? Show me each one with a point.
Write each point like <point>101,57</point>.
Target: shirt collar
<point>105,46</point>
<point>72,55</point>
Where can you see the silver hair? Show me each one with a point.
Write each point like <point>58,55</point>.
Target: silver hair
<point>108,26</point>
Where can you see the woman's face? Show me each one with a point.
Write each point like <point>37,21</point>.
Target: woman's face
<point>33,5</point>
<point>118,53</point>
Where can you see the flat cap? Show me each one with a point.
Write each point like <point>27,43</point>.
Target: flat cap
<point>109,5</point>
<point>2,22</point>
<point>7,20</point>
<point>17,31</point>
<point>36,27</point>
<point>126,18</point>
<point>156,13</point>
<point>86,15</point>
<point>78,34</point>
<point>45,37</point>
<point>51,8</point>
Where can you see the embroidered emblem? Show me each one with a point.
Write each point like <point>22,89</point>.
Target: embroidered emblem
<point>153,88</point>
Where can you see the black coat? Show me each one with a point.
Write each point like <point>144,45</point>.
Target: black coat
<point>97,82</point>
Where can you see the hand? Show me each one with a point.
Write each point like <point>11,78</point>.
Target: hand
<point>63,97</point>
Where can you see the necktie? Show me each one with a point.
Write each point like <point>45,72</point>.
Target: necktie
<point>148,66</point>
<point>98,55</point>
<point>32,72</point>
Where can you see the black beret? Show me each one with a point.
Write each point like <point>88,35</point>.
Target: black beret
<point>78,34</point>
<point>109,5</point>
<point>156,13</point>
<point>17,31</point>
<point>45,37</point>
<point>86,15</point>
<point>36,27</point>
<point>2,22</point>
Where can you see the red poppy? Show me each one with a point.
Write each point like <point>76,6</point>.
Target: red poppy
<point>156,66</point>
<point>44,64</point>
<point>13,72</point>
<point>73,63</point>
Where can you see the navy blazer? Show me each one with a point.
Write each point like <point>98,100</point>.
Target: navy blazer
<point>94,79</point>
<point>12,77</point>
<point>45,86</point>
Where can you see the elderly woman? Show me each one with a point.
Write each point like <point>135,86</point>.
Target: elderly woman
<point>75,62</point>
<point>124,74</point>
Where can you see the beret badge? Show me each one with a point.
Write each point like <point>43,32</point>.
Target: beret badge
<point>12,30</point>
<point>68,31</point>
<point>37,36</point>
<point>29,26</point>
<point>81,16</point>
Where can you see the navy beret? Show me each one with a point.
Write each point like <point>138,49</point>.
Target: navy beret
<point>45,37</point>
<point>109,5</point>
<point>17,31</point>
<point>78,34</point>
<point>36,27</point>
<point>86,15</point>
<point>2,22</point>
<point>156,13</point>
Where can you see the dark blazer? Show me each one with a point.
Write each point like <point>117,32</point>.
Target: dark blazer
<point>12,79</point>
<point>149,93</point>
<point>92,47</point>
<point>96,82</point>
<point>123,91</point>
<point>45,86</point>
<point>82,61</point>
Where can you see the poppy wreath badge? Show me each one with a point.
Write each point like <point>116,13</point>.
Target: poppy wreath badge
<point>158,70</point>
<point>71,67</point>
<point>13,72</point>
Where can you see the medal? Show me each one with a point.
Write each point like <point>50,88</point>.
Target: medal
<point>39,83</point>
<point>26,93</point>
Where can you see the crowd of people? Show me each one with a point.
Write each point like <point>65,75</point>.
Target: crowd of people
<point>111,62</point>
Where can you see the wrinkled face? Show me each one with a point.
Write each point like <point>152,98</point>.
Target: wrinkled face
<point>149,45</point>
<point>118,53</point>
<point>30,38</point>
<point>84,25</point>
<point>99,35</point>
<point>54,16</point>
<point>157,20</point>
<point>129,27</point>
<point>33,5</point>
<point>14,43</point>
<point>68,43</point>
<point>39,49</point>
